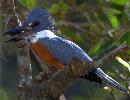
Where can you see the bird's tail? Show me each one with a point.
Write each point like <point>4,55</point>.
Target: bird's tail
<point>109,81</point>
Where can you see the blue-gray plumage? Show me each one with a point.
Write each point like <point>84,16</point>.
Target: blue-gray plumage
<point>63,49</point>
<point>38,15</point>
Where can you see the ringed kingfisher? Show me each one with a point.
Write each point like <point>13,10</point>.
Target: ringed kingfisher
<point>52,50</point>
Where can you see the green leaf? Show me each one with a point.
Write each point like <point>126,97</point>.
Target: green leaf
<point>59,9</point>
<point>114,21</point>
<point>28,3</point>
<point>105,47</point>
<point>111,10</point>
<point>54,8</point>
<point>126,37</point>
<point>119,2</point>
<point>95,49</point>
<point>111,14</point>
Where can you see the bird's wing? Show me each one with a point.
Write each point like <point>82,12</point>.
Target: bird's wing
<point>63,49</point>
<point>57,51</point>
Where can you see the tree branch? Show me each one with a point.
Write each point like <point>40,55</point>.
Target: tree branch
<point>107,57</point>
<point>24,68</point>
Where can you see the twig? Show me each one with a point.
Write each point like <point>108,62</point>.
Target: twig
<point>78,26</point>
<point>24,68</point>
<point>107,57</point>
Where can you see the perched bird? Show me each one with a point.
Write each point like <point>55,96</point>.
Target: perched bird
<point>52,50</point>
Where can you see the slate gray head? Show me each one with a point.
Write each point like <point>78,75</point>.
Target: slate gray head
<point>43,17</point>
<point>38,20</point>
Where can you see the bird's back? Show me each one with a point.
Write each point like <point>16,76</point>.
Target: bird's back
<point>61,49</point>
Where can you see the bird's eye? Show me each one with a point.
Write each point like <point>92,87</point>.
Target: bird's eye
<point>33,24</point>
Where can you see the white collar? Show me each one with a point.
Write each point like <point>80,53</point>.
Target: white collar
<point>43,34</point>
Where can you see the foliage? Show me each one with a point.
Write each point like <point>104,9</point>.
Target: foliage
<point>97,26</point>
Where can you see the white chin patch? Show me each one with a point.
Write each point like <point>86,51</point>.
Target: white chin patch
<point>43,34</point>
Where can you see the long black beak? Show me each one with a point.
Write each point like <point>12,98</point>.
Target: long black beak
<point>15,31</point>
<point>22,28</point>
<point>15,34</point>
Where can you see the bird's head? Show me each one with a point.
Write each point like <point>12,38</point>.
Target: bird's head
<point>38,20</point>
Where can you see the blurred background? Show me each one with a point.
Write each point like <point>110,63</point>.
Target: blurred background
<point>97,26</point>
